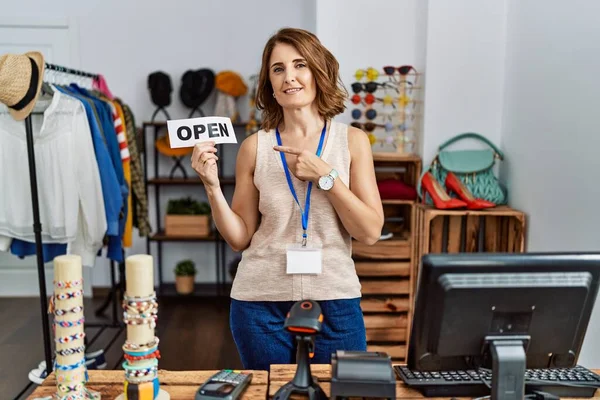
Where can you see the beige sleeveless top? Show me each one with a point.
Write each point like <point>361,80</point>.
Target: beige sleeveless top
<point>261,274</point>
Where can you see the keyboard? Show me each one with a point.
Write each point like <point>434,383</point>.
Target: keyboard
<point>563,382</point>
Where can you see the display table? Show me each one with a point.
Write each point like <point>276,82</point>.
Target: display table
<point>181,385</point>
<point>280,374</point>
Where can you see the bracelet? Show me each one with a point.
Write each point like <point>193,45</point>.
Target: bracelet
<point>142,379</point>
<point>72,310</point>
<point>69,367</point>
<point>135,320</point>
<point>70,324</point>
<point>69,295</point>
<point>68,284</point>
<point>70,388</point>
<point>71,338</point>
<point>140,373</point>
<point>78,376</point>
<point>154,354</point>
<point>152,363</point>
<point>134,299</point>
<point>70,352</point>
<point>133,346</point>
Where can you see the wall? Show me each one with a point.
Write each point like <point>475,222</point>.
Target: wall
<point>465,71</point>
<point>549,129</point>
<point>126,41</point>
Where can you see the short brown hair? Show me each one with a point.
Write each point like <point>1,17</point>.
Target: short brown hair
<point>331,93</point>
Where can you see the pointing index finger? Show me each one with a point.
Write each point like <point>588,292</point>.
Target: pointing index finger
<point>287,149</point>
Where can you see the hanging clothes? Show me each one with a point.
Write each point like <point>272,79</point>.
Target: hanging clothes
<point>120,126</point>
<point>141,219</point>
<point>69,180</point>
<point>115,242</point>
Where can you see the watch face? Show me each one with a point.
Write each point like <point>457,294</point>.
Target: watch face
<point>326,182</point>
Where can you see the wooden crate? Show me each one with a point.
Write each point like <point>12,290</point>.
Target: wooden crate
<point>187,225</point>
<point>385,268</point>
<point>500,229</point>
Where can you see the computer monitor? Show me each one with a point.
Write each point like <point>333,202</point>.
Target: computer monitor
<point>506,312</point>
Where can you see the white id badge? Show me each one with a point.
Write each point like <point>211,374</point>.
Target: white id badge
<point>304,260</point>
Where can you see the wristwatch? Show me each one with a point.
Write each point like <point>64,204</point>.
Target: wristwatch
<point>326,181</point>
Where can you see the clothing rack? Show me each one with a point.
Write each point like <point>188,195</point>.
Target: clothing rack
<point>37,228</point>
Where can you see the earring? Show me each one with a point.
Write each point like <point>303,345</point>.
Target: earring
<point>273,94</point>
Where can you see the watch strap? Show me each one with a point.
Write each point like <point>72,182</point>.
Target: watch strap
<point>334,174</point>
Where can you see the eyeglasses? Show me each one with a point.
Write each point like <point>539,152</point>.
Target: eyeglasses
<point>371,73</point>
<point>371,87</point>
<point>370,113</point>
<point>367,126</point>
<point>403,70</point>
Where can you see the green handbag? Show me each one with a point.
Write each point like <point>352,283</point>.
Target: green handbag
<point>473,167</point>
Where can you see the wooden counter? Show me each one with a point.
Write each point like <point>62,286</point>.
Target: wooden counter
<point>181,385</point>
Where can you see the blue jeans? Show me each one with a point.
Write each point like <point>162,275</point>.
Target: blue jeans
<point>257,328</point>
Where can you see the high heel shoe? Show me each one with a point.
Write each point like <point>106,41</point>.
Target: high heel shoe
<point>440,198</point>
<point>454,184</point>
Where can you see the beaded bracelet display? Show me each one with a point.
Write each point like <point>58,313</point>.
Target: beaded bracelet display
<point>69,367</point>
<point>71,310</point>
<point>71,338</point>
<point>128,346</point>
<point>70,352</point>
<point>68,284</point>
<point>154,354</point>
<point>70,324</point>
<point>70,388</point>
<point>69,295</point>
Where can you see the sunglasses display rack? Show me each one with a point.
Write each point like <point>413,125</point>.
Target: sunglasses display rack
<point>385,104</point>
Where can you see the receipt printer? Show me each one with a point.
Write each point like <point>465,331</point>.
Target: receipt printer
<point>362,374</point>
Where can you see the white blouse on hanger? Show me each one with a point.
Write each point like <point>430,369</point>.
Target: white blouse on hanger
<point>69,189</point>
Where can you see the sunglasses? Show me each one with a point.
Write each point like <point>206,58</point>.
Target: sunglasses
<point>370,99</point>
<point>371,87</point>
<point>370,113</point>
<point>403,70</point>
<point>371,73</point>
<point>367,126</point>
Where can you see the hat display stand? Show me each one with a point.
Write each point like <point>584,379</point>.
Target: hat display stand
<point>141,347</point>
<point>160,109</point>
<point>37,229</point>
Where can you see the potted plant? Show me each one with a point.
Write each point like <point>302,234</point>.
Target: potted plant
<point>187,217</point>
<point>185,273</point>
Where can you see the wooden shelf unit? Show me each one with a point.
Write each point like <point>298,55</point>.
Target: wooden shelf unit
<point>385,268</point>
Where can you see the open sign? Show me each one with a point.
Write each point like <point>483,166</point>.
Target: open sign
<point>188,132</point>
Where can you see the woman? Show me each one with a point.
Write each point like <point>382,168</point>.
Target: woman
<point>299,93</point>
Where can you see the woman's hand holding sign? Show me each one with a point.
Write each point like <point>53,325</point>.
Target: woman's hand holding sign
<point>308,166</point>
<point>204,162</point>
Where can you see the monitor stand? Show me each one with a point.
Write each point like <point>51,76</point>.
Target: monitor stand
<point>508,366</point>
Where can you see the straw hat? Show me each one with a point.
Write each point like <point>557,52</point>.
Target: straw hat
<point>21,77</point>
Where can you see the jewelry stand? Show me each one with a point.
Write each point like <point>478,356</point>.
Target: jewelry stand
<point>303,382</point>
<point>141,347</point>
<point>67,304</point>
